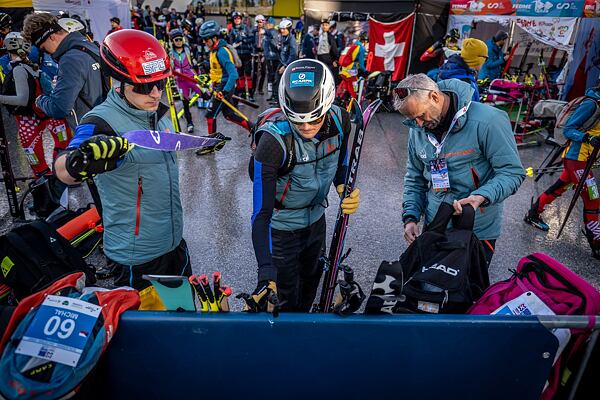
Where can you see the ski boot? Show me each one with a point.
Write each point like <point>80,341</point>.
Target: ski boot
<point>190,129</point>
<point>534,219</point>
<point>212,149</point>
<point>591,238</point>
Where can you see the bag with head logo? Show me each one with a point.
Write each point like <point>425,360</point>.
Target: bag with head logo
<point>443,271</point>
<point>55,338</point>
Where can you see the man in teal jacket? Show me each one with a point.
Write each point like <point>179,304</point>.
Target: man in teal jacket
<point>139,188</point>
<point>459,152</point>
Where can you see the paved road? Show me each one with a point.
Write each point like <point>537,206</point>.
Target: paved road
<point>217,202</point>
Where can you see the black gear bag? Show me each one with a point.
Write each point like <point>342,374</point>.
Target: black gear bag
<point>443,271</point>
<point>34,255</point>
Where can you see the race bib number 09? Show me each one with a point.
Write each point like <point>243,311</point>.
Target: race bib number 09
<point>60,330</point>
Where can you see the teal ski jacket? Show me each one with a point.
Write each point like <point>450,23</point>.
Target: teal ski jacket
<point>141,207</point>
<point>482,159</point>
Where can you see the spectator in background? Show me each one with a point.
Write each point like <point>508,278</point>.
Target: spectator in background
<point>5,28</point>
<point>466,65</point>
<point>492,68</point>
<point>327,49</point>
<point>115,25</point>
<point>288,52</point>
<point>79,84</point>
<point>309,42</point>
<point>271,52</point>
<point>337,35</point>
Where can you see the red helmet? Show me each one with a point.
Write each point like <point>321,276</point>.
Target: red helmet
<point>134,56</point>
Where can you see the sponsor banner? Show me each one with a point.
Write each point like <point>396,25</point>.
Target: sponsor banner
<point>527,8</point>
<point>556,32</point>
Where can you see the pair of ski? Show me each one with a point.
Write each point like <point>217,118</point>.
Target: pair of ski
<point>213,299</point>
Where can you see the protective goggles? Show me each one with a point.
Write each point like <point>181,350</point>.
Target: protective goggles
<point>402,92</point>
<point>178,39</point>
<point>146,88</point>
<point>314,122</point>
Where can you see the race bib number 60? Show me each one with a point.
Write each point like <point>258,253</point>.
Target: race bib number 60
<point>60,330</point>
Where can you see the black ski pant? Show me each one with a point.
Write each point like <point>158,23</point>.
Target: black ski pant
<point>258,73</point>
<point>277,79</point>
<point>186,111</point>
<point>271,70</point>
<point>175,262</point>
<point>296,255</point>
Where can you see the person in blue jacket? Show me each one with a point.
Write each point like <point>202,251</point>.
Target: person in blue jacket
<point>271,52</point>
<point>80,85</point>
<point>464,66</point>
<point>223,76</point>
<point>460,152</point>
<point>288,52</point>
<point>309,42</point>
<point>492,68</point>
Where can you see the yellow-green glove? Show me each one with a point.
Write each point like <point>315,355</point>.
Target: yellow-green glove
<point>98,154</point>
<point>351,202</point>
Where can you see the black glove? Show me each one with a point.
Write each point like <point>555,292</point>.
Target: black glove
<point>593,140</point>
<point>96,155</point>
<point>264,298</point>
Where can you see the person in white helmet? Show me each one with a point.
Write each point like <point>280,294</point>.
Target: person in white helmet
<point>301,151</point>
<point>288,52</point>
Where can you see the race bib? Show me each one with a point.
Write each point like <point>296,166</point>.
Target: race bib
<point>31,157</point>
<point>439,175</point>
<point>60,330</point>
<point>61,132</point>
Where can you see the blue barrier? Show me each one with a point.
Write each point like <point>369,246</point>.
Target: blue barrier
<point>316,356</point>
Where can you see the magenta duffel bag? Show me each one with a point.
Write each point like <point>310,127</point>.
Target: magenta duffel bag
<point>543,286</point>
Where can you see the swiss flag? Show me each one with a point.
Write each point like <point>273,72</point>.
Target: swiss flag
<point>389,46</point>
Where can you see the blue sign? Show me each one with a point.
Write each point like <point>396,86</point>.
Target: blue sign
<point>60,329</point>
<point>302,79</point>
<point>549,8</point>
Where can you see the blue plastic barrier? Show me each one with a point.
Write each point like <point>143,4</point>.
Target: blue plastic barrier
<point>315,356</point>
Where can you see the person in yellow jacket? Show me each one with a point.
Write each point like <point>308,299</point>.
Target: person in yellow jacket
<point>352,65</point>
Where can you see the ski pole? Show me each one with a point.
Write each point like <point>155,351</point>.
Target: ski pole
<point>199,292</point>
<point>579,187</point>
<point>223,302</point>
<point>192,101</point>
<point>209,294</point>
<point>216,284</point>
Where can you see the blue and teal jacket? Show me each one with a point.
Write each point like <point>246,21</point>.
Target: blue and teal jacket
<point>242,38</point>
<point>297,199</point>
<point>223,73</point>
<point>456,68</point>
<point>141,208</point>
<point>574,128</point>
<point>482,159</point>
<point>492,68</point>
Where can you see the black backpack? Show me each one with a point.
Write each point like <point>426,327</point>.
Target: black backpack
<point>288,140</point>
<point>33,84</point>
<point>34,255</point>
<point>443,271</point>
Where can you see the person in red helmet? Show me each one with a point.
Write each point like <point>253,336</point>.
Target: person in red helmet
<point>139,188</point>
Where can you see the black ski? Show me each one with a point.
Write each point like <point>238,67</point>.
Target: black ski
<point>336,248</point>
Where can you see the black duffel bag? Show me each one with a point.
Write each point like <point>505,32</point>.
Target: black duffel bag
<point>443,271</point>
<point>34,255</point>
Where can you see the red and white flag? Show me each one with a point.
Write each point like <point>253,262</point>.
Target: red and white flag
<point>389,46</point>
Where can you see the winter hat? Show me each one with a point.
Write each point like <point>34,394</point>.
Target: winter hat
<point>474,52</point>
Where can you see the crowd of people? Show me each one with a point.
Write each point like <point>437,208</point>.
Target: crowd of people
<point>460,151</point>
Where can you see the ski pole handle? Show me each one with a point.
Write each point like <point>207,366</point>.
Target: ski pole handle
<point>199,292</point>
<point>209,294</point>
<point>223,303</point>
<point>216,284</point>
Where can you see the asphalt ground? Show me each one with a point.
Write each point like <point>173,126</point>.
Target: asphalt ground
<point>217,201</point>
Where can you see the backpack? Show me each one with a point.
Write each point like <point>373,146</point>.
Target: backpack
<point>442,271</point>
<point>34,255</point>
<point>29,377</point>
<point>288,139</point>
<point>567,111</point>
<point>346,58</point>
<point>540,282</point>
<point>34,86</point>
<point>237,61</point>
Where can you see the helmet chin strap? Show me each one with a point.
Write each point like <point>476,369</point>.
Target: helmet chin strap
<point>122,95</point>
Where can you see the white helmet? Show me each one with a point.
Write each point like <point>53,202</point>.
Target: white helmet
<point>71,25</point>
<point>14,42</point>
<point>306,90</point>
<point>259,17</point>
<point>285,24</point>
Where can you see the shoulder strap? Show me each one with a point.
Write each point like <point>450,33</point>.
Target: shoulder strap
<point>336,114</point>
<point>103,78</point>
<point>441,219</point>
<point>595,116</point>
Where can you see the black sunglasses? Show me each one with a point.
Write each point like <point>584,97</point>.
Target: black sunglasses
<point>146,88</point>
<point>402,92</point>
<point>178,39</point>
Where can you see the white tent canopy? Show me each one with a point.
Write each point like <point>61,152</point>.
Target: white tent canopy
<point>98,12</point>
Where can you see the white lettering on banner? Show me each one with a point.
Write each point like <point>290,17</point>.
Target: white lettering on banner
<point>543,7</point>
<point>156,136</point>
<point>389,51</point>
